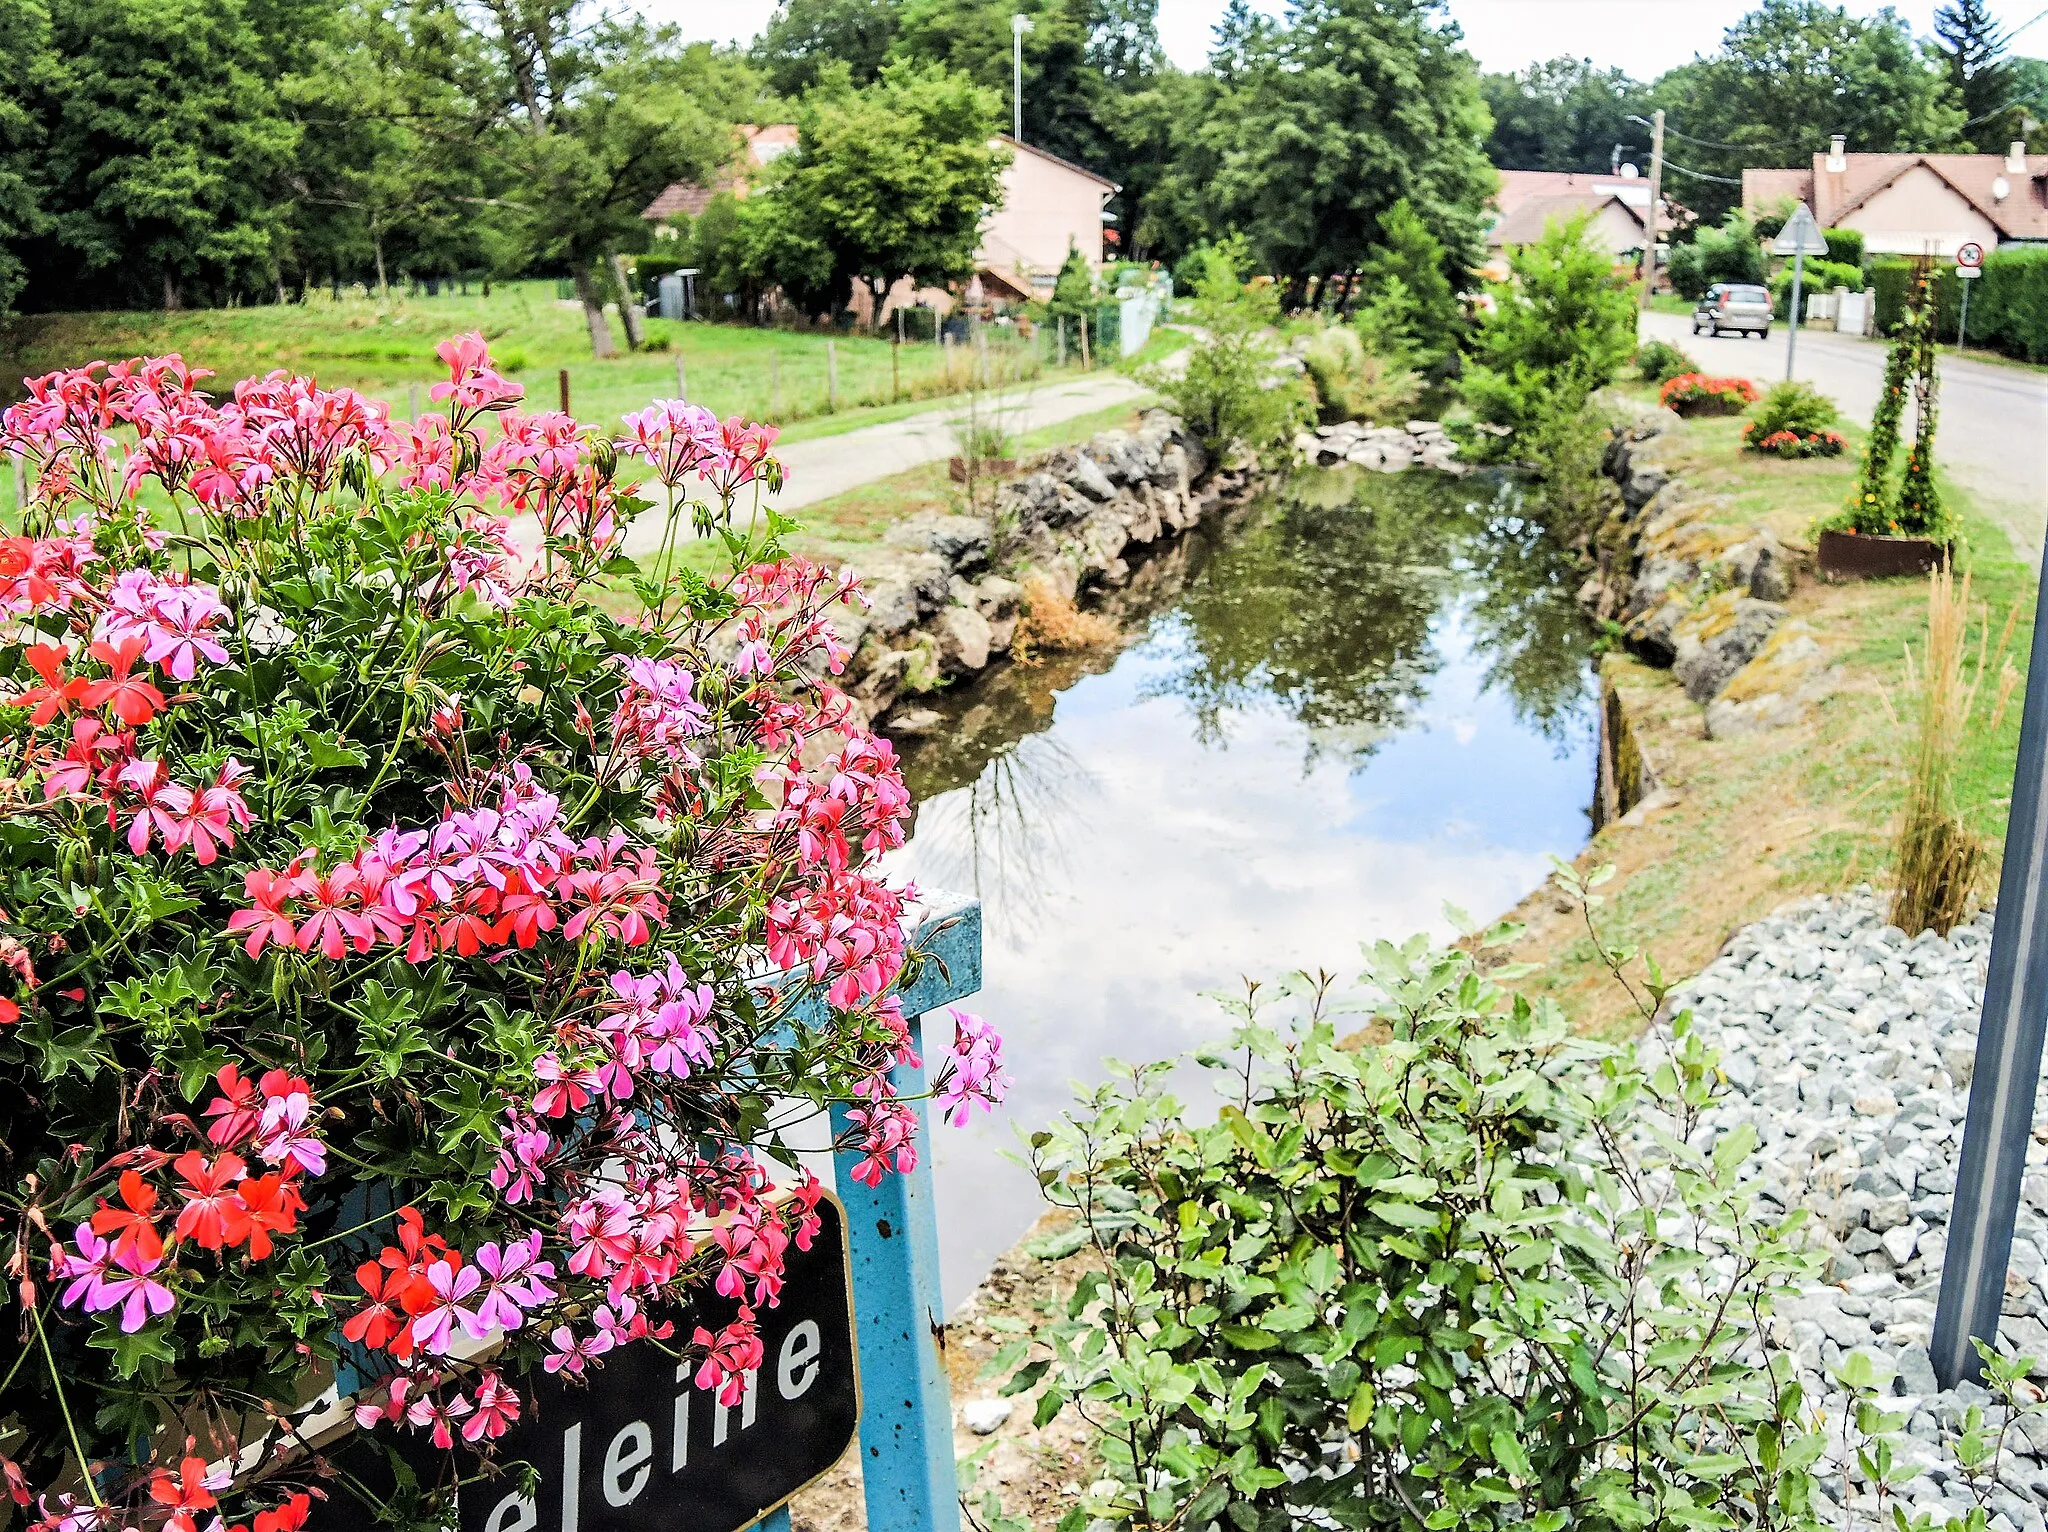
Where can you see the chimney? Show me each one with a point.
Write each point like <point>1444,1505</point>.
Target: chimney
<point>2016,157</point>
<point>1838,150</point>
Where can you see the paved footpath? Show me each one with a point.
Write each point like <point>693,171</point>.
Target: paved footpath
<point>824,466</point>
<point>1993,436</point>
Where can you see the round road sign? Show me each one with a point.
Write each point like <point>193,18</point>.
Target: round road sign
<point>1971,254</point>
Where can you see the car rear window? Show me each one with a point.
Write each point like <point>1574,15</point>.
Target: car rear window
<point>1749,295</point>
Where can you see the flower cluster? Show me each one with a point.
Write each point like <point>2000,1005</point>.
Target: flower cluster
<point>1793,444</point>
<point>355,854</point>
<point>1693,393</point>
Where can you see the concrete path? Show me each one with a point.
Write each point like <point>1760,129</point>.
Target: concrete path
<point>824,466</point>
<point>1993,437</point>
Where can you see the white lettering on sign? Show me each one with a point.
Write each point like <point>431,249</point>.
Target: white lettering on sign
<point>522,1513</point>
<point>628,1464</point>
<point>572,1477</point>
<point>750,1405</point>
<point>797,1367</point>
<point>679,1456</point>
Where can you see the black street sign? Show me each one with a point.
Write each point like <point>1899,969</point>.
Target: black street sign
<point>640,1448</point>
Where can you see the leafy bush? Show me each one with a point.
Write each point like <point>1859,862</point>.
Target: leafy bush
<point>1792,406</point>
<point>1659,361</point>
<point>1353,383</point>
<point>1412,315</point>
<point>1227,392</point>
<point>1443,1280</point>
<point>1694,393</point>
<point>1560,327</point>
<point>1845,246</point>
<point>345,844</point>
<point>1730,253</point>
<point>1817,277</point>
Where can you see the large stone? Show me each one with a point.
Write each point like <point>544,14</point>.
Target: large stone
<point>1653,633</point>
<point>1718,638</point>
<point>962,541</point>
<point>1642,485</point>
<point>1086,475</point>
<point>963,638</point>
<point>996,597</point>
<point>1775,688</point>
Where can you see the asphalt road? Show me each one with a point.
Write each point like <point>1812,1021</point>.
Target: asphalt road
<point>1993,437</point>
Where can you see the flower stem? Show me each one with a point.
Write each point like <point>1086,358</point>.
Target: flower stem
<point>92,1487</point>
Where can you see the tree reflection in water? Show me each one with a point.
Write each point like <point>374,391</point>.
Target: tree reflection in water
<point>1326,602</point>
<point>1329,605</point>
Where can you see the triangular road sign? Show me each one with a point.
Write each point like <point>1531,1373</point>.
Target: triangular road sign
<point>1800,236</point>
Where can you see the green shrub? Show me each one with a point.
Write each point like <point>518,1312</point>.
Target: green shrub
<point>1225,392</point>
<point>1792,406</point>
<point>1426,1283</point>
<point>1560,327</point>
<point>1818,277</point>
<point>2008,304</point>
<point>1687,272</point>
<point>1354,383</point>
<point>1891,279</point>
<point>1660,361</point>
<point>1845,246</point>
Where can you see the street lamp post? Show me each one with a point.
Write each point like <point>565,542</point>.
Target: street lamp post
<point>1019,25</point>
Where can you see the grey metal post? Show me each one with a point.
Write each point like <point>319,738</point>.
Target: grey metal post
<point>1792,330</point>
<point>1963,324</point>
<point>2008,1067</point>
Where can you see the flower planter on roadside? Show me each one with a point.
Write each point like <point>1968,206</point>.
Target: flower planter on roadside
<point>1853,556</point>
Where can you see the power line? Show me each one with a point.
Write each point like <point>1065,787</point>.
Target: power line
<point>1699,175</point>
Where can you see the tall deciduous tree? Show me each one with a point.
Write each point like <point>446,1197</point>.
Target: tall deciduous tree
<point>24,58</point>
<point>886,182</point>
<point>1326,122</point>
<point>1787,76</point>
<point>167,143</point>
<point>1564,114</point>
<point>804,37</point>
<point>587,119</point>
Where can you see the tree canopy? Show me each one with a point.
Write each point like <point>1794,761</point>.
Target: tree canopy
<point>1565,114</point>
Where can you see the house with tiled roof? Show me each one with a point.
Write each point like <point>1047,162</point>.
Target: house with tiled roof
<point>1528,201</point>
<point>1049,206</point>
<point>686,199</point>
<point>1914,204</point>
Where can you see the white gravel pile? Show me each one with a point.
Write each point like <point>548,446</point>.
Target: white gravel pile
<point>1849,1047</point>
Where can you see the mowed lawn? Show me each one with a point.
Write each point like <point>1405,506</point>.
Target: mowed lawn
<point>387,350</point>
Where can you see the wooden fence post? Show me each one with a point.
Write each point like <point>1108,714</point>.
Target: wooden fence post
<point>412,401</point>
<point>682,380</point>
<point>563,379</point>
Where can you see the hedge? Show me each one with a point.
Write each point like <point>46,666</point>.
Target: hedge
<point>1819,277</point>
<point>2008,306</point>
<point>1845,246</point>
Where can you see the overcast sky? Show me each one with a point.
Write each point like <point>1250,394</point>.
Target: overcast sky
<point>1645,37</point>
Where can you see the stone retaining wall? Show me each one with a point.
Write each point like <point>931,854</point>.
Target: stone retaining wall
<point>1701,596</point>
<point>947,591</point>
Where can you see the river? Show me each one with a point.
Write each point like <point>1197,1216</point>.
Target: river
<point>1361,699</point>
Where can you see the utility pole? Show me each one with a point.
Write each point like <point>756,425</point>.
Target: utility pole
<point>1019,25</point>
<point>1656,200</point>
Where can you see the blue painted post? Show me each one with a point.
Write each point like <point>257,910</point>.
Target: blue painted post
<point>906,1426</point>
<point>906,1423</point>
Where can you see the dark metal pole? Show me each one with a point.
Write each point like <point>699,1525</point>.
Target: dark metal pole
<point>2008,1063</point>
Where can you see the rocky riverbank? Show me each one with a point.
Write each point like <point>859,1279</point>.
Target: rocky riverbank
<point>948,592</point>
<point>1848,1047</point>
<point>1703,597</point>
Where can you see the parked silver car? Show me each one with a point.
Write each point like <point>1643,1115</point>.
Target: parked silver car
<point>1733,306</point>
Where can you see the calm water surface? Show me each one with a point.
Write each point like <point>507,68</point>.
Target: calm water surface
<point>1359,701</point>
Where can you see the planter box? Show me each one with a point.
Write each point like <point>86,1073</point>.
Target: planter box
<point>1850,556</point>
<point>988,467</point>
